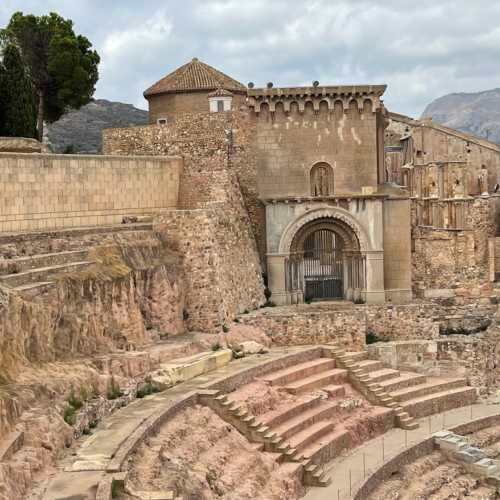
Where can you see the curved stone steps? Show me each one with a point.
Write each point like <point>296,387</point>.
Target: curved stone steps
<point>369,365</point>
<point>20,264</point>
<point>440,401</point>
<point>383,374</point>
<point>430,387</point>
<point>41,274</point>
<point>403,381</point>
<point>300,371</point>
<point>275,418</point>
<point>311,435</point>
<point>305,419</point>
<point>317,381</point>
<point>328,447</point>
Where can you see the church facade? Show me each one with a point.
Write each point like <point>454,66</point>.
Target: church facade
<point>342,194</point>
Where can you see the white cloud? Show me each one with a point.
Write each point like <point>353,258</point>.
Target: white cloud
<point>420,49</point>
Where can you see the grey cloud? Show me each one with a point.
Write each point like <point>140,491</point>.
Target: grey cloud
<point>420,49</point>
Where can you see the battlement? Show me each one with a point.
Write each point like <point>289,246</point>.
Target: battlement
<point>343,94</point>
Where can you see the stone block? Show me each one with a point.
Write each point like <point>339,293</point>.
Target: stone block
<point>190,367</point>
<point>251,347</point>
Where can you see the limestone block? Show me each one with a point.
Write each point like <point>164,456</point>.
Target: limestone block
<point>251,347</point>
<point>190,367</point>
<point>483,467</point>
<point>469,454</point>
<point>452,443</point>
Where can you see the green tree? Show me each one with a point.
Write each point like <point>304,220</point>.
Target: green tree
<point>61,65</point>
<point>17,104</point>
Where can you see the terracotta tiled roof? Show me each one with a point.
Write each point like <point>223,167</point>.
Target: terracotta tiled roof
<point>195,75</point>
<point>220,93</point>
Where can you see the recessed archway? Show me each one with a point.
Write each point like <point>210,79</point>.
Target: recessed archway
<point>325,261</point>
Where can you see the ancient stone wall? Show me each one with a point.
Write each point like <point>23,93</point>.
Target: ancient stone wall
<point>455,264</point>
<point>289,144</point>
<point>213,231</point>
<point>220,257</point>
<point>349,324</point>
<point>471,357</point>
<point>56,191</point>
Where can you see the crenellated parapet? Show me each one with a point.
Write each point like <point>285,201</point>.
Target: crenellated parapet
<point>366,98</point>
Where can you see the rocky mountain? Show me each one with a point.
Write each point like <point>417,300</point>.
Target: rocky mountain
<point>475,113</point>
<point>80,131</point>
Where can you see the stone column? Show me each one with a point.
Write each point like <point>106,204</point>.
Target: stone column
<point>276,279</point>
<point>375,292</point>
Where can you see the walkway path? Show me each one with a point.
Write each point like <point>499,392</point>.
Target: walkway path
<point>80,477</point>
<point>348,472</point>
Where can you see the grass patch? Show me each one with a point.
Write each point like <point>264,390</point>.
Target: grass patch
<point>113,391</point>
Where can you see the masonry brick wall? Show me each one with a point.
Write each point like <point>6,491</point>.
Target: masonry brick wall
<point>213,230</point>
<point>453,265</point>
<point>42,191</point>
<point>208,142</point>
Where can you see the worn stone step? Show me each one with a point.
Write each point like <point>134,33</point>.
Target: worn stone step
<point>383,374</point>
<point>327,448</point>
<point>274,419</point>
<point>440,402</point>
<point>355,356</point>
<point>34,289</point>
<point>402,381</point>
<point>306,419</point>
<point>370,365</point>
<point>336,376</point>
<point>430,387</point>
<point>300,371</point>
<point>311,434</point>
<point>42,273</point>
<point>334,391</point>
<point>20,264</point>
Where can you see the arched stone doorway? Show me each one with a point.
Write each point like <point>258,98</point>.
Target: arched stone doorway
<point>325,262</point>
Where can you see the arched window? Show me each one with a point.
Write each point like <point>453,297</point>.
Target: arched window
<point>321,178</point>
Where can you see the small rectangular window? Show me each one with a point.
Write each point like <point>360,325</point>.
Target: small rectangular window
<point>220,106</point>
<point>161,121</point>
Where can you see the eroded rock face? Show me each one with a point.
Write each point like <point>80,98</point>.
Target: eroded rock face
<point>129,294</point>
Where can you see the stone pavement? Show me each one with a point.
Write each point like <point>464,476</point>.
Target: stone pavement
<point>81,477</point>
<point>348,472</point>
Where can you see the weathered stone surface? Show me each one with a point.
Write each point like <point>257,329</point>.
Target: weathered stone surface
<point>251,347</point>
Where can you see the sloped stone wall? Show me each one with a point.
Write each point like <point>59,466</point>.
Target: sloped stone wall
<point>213,230</point>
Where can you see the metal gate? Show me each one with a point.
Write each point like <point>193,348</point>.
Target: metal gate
<point>323,265</point>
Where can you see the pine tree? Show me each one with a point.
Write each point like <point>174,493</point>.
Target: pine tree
<point>17,102</point>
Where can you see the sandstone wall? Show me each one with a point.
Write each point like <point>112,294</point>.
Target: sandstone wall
<point>472,358</point>
<point>288,145</point>
<point>57,191</point>
<point>214,230</point>
<point>455,264</point>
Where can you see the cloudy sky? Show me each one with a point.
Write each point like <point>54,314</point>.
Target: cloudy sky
<point>421,49</point>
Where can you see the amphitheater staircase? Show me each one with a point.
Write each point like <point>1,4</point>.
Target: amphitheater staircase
<point>34,269</point>
<point>411,395</point>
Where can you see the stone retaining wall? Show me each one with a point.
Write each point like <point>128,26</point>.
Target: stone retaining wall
<point>57,191</point>
<point>424,447</point>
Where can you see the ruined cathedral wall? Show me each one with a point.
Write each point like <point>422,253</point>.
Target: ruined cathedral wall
<point>213,230</point>
<point>454,264</point>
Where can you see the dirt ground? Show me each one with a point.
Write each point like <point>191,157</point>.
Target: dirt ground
<point>433,477</point>
<point>202,457</point>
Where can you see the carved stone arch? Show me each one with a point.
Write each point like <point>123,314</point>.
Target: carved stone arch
<point>321,179</point>
<point>367,106</point>
<point>348,237</point>
<point>323,212</point>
